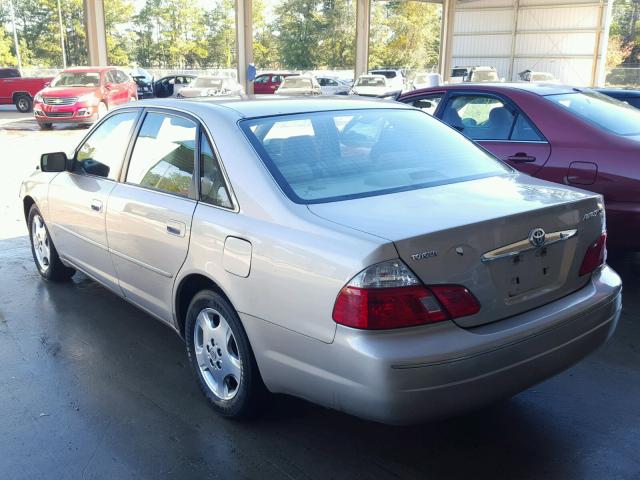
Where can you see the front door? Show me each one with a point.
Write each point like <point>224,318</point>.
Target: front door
<point>500,127</point>
<point>149,215</point>
<point>78,199</point>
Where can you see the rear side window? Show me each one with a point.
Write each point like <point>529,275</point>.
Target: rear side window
<point>9,73</point>
<point>328,156</point>
<point>103,152</point>
<point>164,154</point>
<point>523,131</point>
<point>213,189</point>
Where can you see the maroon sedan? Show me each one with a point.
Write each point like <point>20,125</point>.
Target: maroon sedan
<point>566,135</point>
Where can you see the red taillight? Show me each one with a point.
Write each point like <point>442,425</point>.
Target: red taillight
<point>595,256</point>
<point>395,307</point>
<point>456,300</point>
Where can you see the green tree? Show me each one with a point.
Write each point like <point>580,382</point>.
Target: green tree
<point>6,44</point>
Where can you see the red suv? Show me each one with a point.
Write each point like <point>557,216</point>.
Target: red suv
<point>269,82</point>
<point>83,95</point>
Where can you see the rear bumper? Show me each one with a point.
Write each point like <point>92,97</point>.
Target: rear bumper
<point>417,374</point>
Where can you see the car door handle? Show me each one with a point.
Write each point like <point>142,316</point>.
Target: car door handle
<point>96,205</point>
<point>176,228</point>
<point>521,157</point>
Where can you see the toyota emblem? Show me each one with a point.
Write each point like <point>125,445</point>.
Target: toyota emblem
<point>537,237</point>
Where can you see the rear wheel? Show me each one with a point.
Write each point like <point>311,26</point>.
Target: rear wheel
<point>24,103</point>
<point>221,356</point>
<point>44,251</point>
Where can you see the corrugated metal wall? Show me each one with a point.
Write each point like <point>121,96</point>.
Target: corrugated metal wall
<point>563,37</point>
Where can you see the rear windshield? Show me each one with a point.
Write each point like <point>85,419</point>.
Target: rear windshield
<point>484,76</point>
<point>328,156</point>
<point>606,112</point>
<point>77,79</point>
<point>386,73</point>
<point>370,82</point>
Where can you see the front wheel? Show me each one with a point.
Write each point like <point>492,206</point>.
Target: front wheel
<point>221,356</point>
<point>24,104</point>
<point>45,126</point>
<point>44,251</point>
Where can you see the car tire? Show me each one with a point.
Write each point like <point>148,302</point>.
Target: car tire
<point>219,350</point>
<point>24,103</point>
<point>45,126</point>
<point>44,251</point>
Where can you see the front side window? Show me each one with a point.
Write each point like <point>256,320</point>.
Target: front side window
<point>213,189</point>
<point>103,152</point>
<point>328,156</point>
<point>164,154</point>
<point>261,79</point>
<point>611,114</point>
<point>479,117</point>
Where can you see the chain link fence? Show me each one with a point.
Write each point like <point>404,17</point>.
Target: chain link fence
<point>624,77</point>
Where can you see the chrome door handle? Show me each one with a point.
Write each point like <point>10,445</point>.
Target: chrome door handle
<point>96,205</point>
<point>176,228</point>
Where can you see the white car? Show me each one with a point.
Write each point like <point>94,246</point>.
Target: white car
<point>395,78</point>
<point>299,85</point>
<point>372,86</point>
<point>426,80</point>
<point>333,86</point>
<point>206,86</point>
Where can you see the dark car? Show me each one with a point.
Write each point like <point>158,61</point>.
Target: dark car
<point>572,136</point>
<point>170,85</point>
<point>632,97</point>
<point>144,82</point>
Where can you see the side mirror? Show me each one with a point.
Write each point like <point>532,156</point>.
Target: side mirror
<point>108,86</point>
<point>47,84</point>
<point>54,162</point>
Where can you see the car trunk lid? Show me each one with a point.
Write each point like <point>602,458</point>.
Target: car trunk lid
<point>476,234</point>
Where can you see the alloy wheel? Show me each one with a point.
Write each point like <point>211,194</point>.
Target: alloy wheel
<point>217,354</point>
<point>41,243</point>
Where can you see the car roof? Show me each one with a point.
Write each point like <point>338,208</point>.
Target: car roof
<point>251,106</point>
<point>89,69</point>
<point>533,87</point>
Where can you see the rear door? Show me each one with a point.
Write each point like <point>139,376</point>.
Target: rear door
<point>260,84</point>
<point>149,214</point>
<point>500,126</point>
<point>78,199</point>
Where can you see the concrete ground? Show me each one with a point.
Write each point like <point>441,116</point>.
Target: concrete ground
<point>90,387</point>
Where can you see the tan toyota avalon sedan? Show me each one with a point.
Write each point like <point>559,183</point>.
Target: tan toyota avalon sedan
<point>356,253</point>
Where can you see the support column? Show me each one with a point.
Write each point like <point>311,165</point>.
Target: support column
<point>363,24</point>
<point>514,34</point>
<point>446,38</point>
<point>602,43</point>
<point>96,32</point>
<point>244,41</point>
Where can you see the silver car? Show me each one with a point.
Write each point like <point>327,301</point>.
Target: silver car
<point>356,253</point>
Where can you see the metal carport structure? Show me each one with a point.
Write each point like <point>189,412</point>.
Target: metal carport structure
<point>565,37</point>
